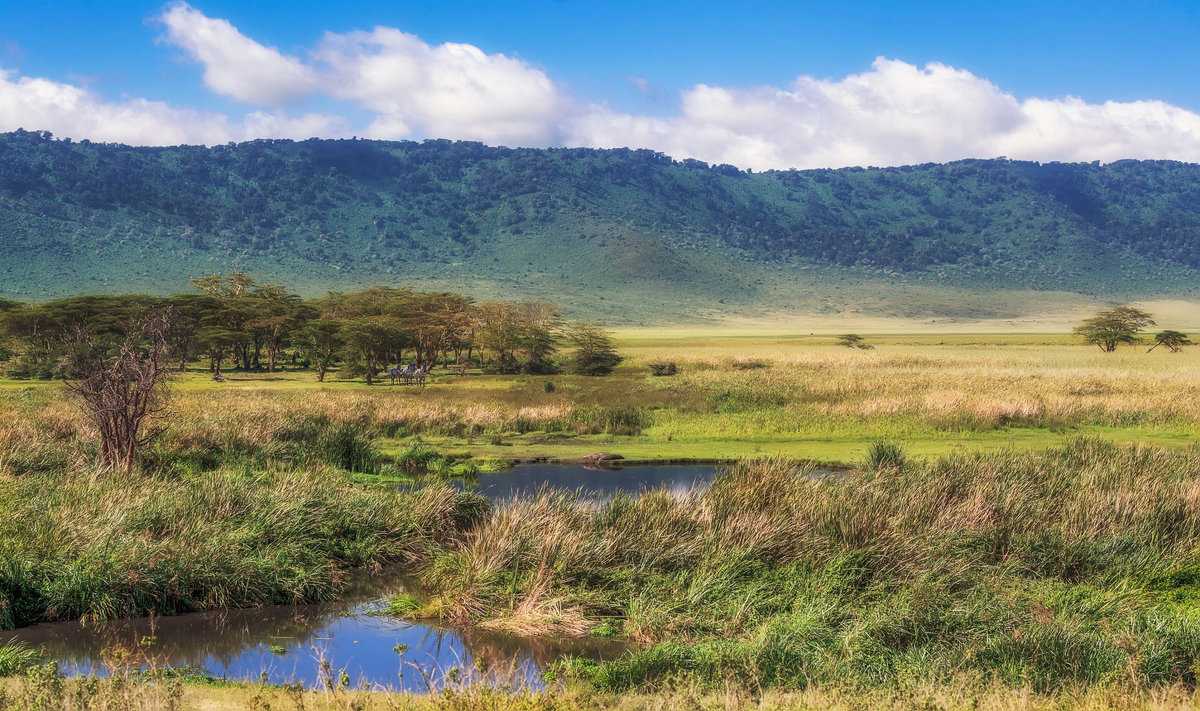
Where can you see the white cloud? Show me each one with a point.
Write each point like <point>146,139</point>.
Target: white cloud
<point>67,110</point>
<point>894,113</point>
<point>234,64</point>
<point>412,88</point>
<point>451,90</point>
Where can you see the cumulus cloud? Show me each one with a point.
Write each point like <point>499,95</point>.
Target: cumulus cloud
<point>896,113</point>
<point>893,113</point>
<point>411,88</point>
<point>451,90</point>
<point>235,65</point>
<point>66,110</point>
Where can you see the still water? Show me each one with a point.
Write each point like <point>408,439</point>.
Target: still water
<point>593,481</point>
<point>313,644</point>
<point>316,644</point>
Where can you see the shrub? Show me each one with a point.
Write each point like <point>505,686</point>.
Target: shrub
<point>662,368</point>
<point>749,364</point>
<point>417,455</point>
<point>885,455</point>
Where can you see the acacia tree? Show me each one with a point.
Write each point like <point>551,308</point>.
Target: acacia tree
<point>217,341</point>
<point>193,312</point>
<point>541,325</point>
<point>320,340</point>
<point>1111,327</point>
<point>594,353</point>
<point>121,385</point>
<point>368,343</point>
<point>276,312</point>
<point>436,324</point>
<point>499,333</point>
<point>853,340</point>
<point>1175,340</point>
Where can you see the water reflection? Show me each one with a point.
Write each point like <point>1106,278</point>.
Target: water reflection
<point>606,479</point>
<point>593,480</point>
<point>311,643</point>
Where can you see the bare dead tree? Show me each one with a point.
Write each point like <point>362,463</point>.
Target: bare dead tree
<point>122,385</point>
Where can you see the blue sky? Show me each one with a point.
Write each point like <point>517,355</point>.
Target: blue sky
<point>718,81</point>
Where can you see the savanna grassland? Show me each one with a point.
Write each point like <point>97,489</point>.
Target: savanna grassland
<point>732,397</point>
<point>1018,525</point>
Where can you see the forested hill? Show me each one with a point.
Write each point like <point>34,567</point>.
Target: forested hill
<point>609,233</point>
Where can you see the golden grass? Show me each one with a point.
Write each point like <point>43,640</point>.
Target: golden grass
<point>933,390</point>
<point>951,697</point>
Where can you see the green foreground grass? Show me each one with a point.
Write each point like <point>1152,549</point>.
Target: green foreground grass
<point>1068,573</point>
<point>1075,566</point>
<point>1068,578</point>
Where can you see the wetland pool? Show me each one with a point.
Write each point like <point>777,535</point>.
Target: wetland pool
<point>314,645</point>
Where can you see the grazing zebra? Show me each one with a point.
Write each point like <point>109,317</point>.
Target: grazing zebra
<point>398,374</point>
<point>419,376</point>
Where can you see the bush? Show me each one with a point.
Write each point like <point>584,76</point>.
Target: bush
<point>417,455</point>
<point>662,368</point>
<point>749,364</point>
<point>885,455</point>
<point>346,445</point>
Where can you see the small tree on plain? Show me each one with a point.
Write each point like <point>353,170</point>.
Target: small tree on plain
<point>1174,340</point>
<point>1111,327</point>
<point>594,352</point>
<point>121,385</point>
<point>853,340</point>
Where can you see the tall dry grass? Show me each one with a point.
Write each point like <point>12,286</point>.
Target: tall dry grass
<point>42,691</point>
<point>1073,566</point>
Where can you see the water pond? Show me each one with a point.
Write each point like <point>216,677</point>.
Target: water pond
<point>593,481</point>
<point>605,482</point>
<point>313,644</point>
<point>317,644</point>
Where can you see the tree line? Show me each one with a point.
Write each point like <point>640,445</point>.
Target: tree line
<point>234,322</point>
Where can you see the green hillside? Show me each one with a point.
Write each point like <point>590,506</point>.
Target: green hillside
<point>618,234</point>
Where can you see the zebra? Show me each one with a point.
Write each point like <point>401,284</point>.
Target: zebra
<point>398,374</point>
<point>418,376</point>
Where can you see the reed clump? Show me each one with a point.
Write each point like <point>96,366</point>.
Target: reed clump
<point>16,658</point>
<point>1075,566</point>
<point>81,546</point>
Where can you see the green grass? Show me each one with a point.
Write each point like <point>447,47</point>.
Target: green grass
<point>16,658</point>
<point>103,547</point>
<point>935,393</point>
<point>1073,566</point>
<point>831,450</point>
<point>987,546</point>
